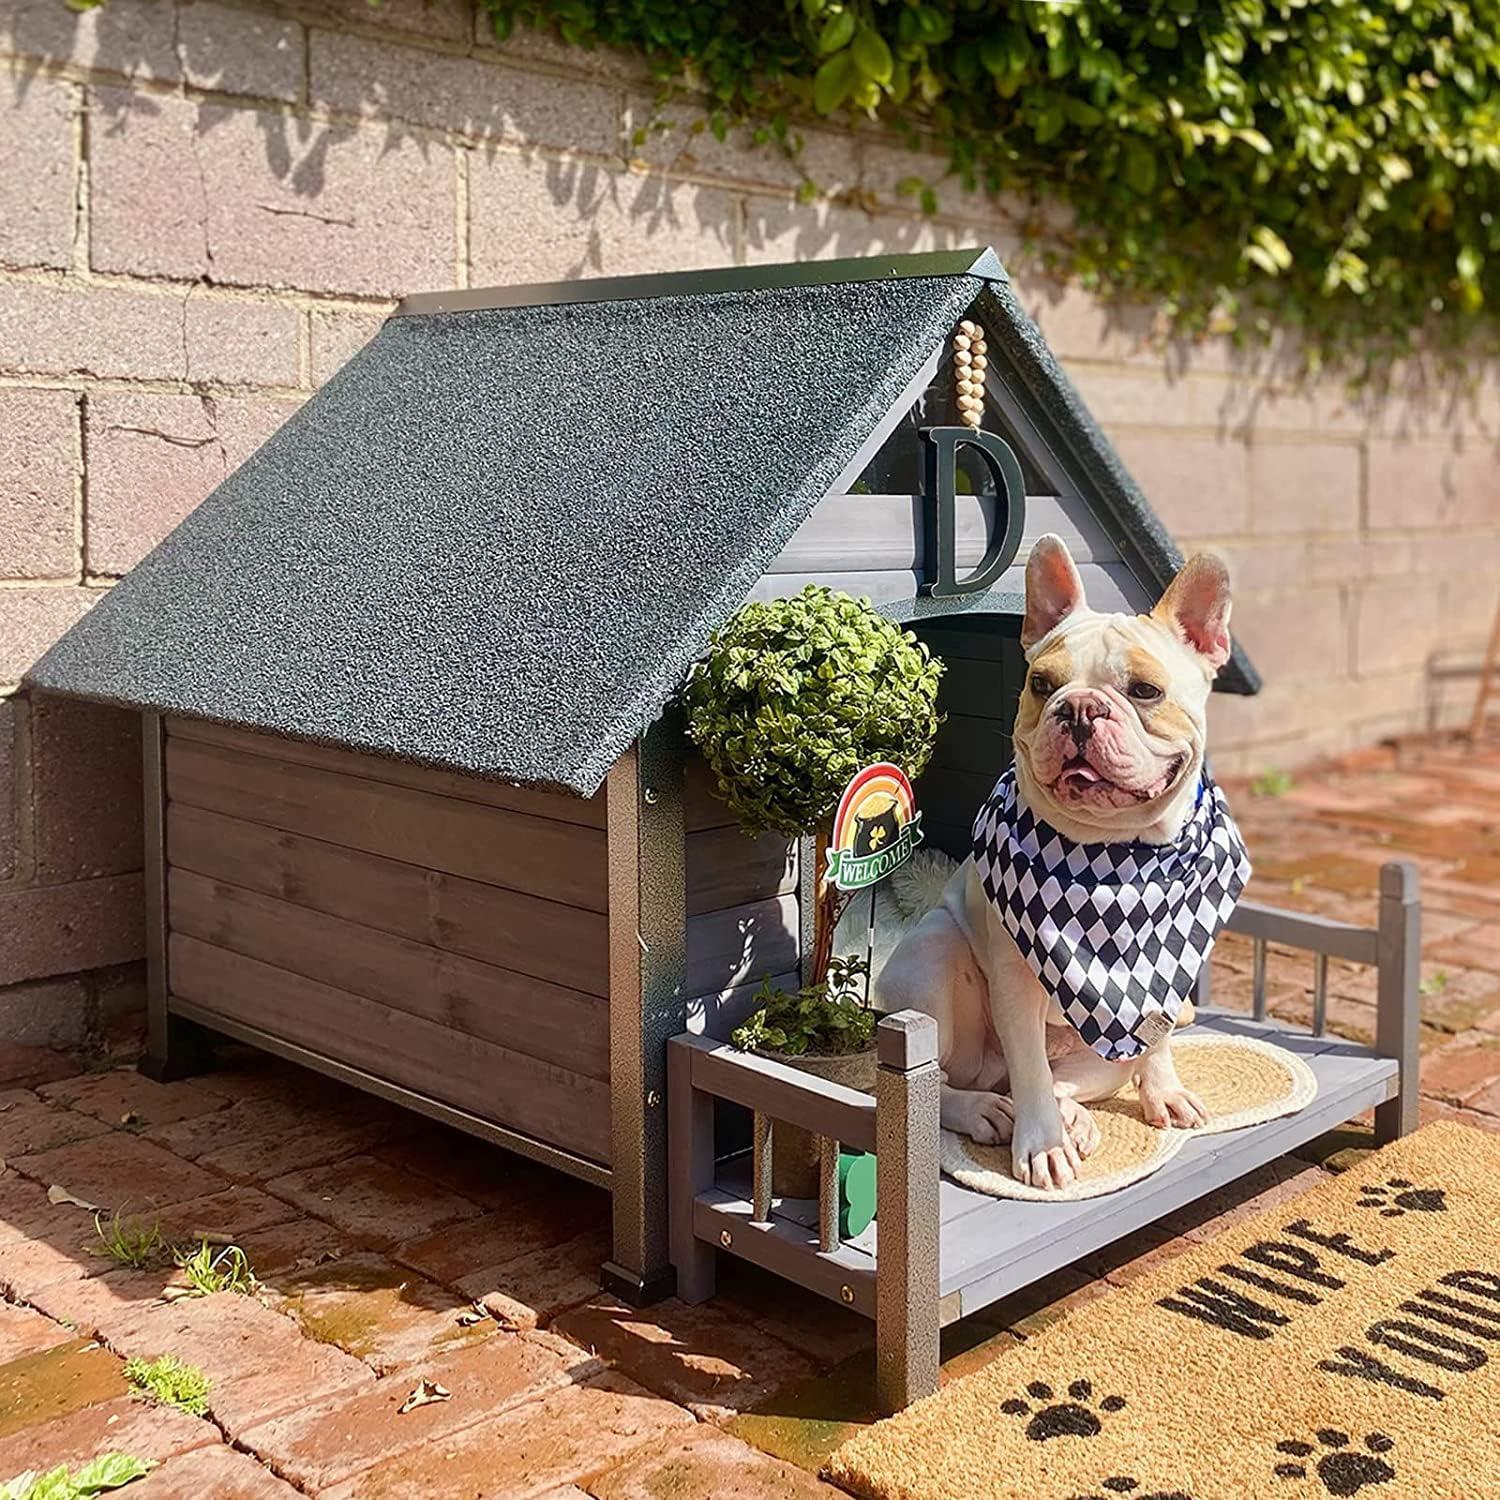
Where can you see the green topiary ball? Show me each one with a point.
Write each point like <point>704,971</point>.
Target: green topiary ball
<point>797,695</point>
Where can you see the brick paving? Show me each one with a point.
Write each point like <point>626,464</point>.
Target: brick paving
<point>391,1251</point>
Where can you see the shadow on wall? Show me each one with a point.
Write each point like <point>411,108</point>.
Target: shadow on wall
<point>257,194</point>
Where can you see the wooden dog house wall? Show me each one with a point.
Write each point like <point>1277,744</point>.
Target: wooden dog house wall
<point>420,813</point>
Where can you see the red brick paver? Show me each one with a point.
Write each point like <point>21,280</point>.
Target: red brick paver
<point>125,1424</point>
<point>257,1361</point>
<point>125,1096</point>
<point>532,1290</point>
<point>23,1331</point>
<point>378,1311</point>
<point>1318,847</point>
<point>566,1437</point>
<point>218,1471</point>
<point>707,1462</point>
<point>120,1172</point>
<point>28,1125</point>
<point>322,1444</point>
<point>373,1200</point>
<point>700,1356</point>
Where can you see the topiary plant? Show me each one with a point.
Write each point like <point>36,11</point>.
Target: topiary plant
<point>795,696</point>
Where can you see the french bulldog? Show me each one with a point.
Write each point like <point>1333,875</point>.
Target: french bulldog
<point>1109,744</point>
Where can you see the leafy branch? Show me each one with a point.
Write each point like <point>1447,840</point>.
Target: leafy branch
<point>1331,166</point>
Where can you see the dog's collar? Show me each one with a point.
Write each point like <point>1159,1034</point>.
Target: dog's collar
<point>1117,933</point>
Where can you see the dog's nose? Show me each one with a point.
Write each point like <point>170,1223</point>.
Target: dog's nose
<point>1078,713</point>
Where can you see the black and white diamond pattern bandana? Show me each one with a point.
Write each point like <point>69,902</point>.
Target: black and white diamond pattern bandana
<point>1117,933</point>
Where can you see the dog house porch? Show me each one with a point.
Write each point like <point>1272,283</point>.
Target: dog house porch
<point>937,1251</point>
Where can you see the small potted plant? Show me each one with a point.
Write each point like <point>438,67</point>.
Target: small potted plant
<point>793,698</point>
<point>826,1029</point>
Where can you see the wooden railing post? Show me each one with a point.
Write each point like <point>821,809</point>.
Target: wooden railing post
<point>1398,995</point>
<point>906,1216</point>
<point>690,1171</point>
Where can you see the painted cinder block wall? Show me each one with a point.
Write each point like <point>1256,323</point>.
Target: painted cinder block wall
<point>205,208</point>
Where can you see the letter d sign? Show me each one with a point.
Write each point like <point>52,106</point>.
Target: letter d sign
<point>941,464</point>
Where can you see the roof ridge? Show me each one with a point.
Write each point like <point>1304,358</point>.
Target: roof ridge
<point>981,261</point>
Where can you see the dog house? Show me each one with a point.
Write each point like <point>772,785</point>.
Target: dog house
<point>419,809</point>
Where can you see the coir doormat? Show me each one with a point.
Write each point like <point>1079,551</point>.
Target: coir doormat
<point>1344,1343</point>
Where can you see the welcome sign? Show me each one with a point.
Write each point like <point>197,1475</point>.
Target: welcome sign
<point>876,828</point>
<point>1346,1342</point>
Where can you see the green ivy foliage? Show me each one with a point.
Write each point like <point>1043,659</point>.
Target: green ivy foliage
<point>1329,165</point>
<point>798,694</point>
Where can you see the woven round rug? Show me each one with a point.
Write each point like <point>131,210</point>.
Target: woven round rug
<point>1241,1080</point>
<point>1129,1149</point>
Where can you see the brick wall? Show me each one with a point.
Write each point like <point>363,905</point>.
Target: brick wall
<point>205,208</point>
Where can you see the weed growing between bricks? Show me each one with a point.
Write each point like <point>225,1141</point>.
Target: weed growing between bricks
<point>129,1242</point>
<point>170,1382</point>
<point>110,1471</point>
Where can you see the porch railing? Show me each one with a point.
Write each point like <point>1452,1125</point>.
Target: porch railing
<point>1393,947</point>
<point>899,1123</point>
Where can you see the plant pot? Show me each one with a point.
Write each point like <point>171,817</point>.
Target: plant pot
<point>794,1152</point>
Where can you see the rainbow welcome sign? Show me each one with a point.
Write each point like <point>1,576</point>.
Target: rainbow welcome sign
<point>876,828</point>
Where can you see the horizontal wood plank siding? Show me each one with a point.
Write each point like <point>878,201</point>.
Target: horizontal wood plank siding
<point>975,745</point>
<point>545,939</point>
<point>555,1104</point>
<point>741,904</point>
<point>953,798</point>
<point>884,533</point>
<point>496,1005</point>
<point>565,808</point>
<point>717,1015</point>
<point>443,934</point>
<point>728,868</point>
<point>540,856</point>
<point>702,806</point>
<point>985,671</point>
<point>1110,586</point>
<point>741,944</point>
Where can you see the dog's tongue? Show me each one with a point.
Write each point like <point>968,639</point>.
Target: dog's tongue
<point>1082,770</point>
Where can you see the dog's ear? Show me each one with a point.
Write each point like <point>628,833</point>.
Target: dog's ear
<point>1053,588</point>
<point>1195,607</point>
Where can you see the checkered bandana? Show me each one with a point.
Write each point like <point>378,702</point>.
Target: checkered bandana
<point>1117,933</point>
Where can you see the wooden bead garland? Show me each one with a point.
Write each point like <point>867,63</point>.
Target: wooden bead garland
<point>970,361</point>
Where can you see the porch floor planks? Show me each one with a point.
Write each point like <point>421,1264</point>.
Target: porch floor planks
<point>992,1247</point>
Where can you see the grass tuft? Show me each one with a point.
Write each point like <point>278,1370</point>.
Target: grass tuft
<point>209,1270</point>
<point>131,1242</point>
<point>1271,783</point>
<point>171,1382</point>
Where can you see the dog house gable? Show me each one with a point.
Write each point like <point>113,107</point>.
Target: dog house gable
<point>877,537</point>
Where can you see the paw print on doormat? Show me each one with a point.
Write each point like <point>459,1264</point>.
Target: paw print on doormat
<point>1124,1484</point>
<point>1406,1196</point>
<point>1060,1418</point>
<point>1344,1470</point>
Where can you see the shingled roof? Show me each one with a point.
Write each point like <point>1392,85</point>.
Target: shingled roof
<point>498,537</point>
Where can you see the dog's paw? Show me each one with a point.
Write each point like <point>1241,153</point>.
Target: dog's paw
<point>1042,1153</point>
<point>1082,1128</point>
<point>991,1118</point>
<point>1171,1104</point>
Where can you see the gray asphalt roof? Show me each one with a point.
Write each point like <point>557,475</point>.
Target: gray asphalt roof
<point>498,537</point>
